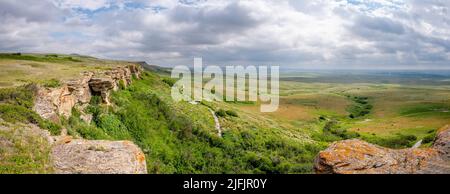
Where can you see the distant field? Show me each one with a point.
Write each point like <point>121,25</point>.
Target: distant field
<point>398,103</point>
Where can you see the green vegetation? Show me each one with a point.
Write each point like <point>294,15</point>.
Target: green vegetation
<point>175,140</point>
<point>232,113</point>
<point>426,109</point>
<point>22,152</point>
<point>360,107</point>
<point>179,137</point>
<point>16,106</point>
<point>39,58</point>
<point>121,84</point>
<point>169,81</point>
<point>224,113</point>
<point>397,141</point>
<point>333,131</point>
<point>221,113</point>
<point>52,83</point>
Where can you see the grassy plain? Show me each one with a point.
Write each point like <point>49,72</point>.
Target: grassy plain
<point>393,109</point>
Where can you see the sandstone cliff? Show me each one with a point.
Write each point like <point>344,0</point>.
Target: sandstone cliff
<point>359,157</point>
<point>51,103</point>
<point>89,156</point>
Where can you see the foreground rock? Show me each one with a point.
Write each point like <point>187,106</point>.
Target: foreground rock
<point>360,157</point>
<point>97,157</point>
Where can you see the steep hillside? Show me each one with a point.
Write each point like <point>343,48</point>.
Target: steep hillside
<point>111,101</point>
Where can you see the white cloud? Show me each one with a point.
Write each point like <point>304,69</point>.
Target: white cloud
<point>311,33</point>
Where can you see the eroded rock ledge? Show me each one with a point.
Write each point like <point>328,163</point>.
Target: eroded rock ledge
<point>51,103</point>
<point>360,157</point>
<point>81,156</point>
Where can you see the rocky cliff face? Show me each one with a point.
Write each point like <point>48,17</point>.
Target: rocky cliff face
<point>51,103</point>
<point>89,156</point>
<point>359,157</point>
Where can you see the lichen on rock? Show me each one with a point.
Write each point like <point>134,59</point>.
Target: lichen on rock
<point>77,156</point>
<point>359,157</point>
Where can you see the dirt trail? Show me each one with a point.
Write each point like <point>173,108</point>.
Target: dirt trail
<point>216,121</point>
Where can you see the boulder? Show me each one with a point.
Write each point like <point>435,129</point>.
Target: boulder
<point>359,157</point>
<point>77,156</point>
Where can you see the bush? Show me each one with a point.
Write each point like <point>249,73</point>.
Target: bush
<point>52,83</point>
<point>122,85</point>
<point>169,81</point>
<point>95,100</point>
<point>22,96</point>
<point>90,132</point>
<point>429,138</point>
<point>221,113</point>
<point>360,108</point>
<point>15,113</point>
<point>397,141</point>
<point>231,113</point>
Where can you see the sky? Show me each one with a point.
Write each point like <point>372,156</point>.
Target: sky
<point>312,34</point>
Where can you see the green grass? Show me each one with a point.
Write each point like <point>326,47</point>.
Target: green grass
<point>178,137</point>
<point>39,58</point>
<point>21,152</point>
<point>426,109</point>
<point>52,83</point>
<point>360,107</point>
<point>16,107</point>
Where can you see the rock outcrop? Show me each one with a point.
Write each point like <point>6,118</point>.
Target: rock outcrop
<point>102,86</point>
<point>89,156</point>
<point>51,103</point>
<point>360,157</point>
<point>77,156</point>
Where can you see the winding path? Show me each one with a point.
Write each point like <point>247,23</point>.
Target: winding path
<point>216,121</point>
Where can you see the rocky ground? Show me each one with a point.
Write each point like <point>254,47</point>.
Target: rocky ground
<point>359,157</point>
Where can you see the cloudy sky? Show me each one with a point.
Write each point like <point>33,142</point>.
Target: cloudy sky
<point>293,33</point>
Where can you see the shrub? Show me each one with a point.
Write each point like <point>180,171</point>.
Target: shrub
<point>52,83</point>
<point>231,113</point>
<point>221,113</point>
<point>95,100</point>
<point>22,96</point>
<point>90,132</point>
<point>429,138</point>
<point>122,85</point>
<point>397,141</point>
<point>15,113</point>
<point>112,125</point>
<point>360,108</point>
<point>16,106</point>
<point>169,81</point>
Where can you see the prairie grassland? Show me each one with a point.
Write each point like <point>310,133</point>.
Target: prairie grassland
<point>24,68</point>
<point>394,108</point>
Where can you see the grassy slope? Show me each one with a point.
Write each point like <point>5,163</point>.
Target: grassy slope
<point>22,152</point>
<point>179,137</point>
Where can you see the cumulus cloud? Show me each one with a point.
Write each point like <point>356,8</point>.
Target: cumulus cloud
<point>306,34</point>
